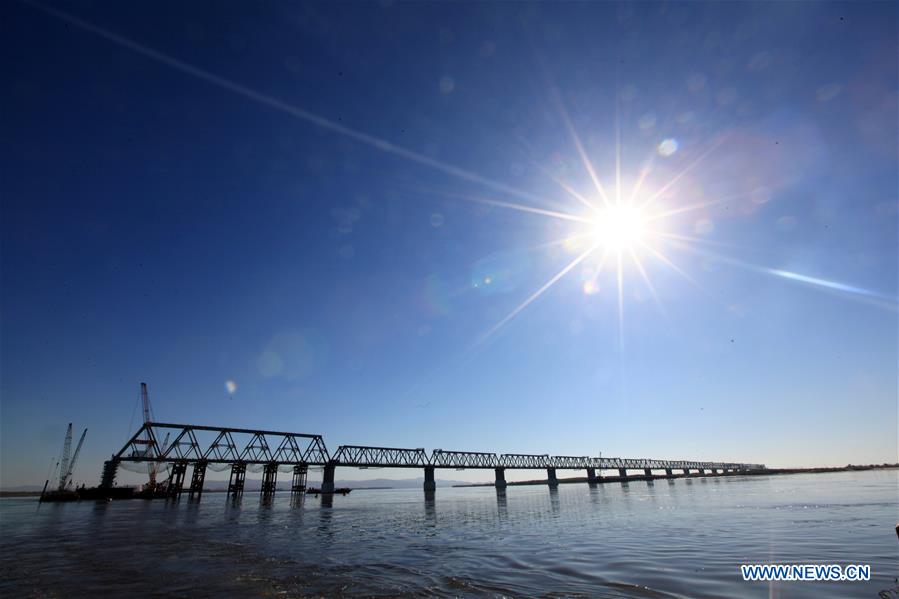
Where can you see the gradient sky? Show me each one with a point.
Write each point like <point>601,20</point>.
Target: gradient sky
<point>329,205</point>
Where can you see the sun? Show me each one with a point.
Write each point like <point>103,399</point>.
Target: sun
<point>619,228</point>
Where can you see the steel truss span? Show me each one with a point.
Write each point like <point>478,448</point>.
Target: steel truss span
<point>219,445</point>
<point>380,457</point>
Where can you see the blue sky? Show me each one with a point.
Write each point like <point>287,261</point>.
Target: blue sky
<point>333,207</point>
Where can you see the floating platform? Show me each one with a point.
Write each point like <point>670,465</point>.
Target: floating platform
<point>340,491</point>
<point>91,494</point>
<point>58,496</point>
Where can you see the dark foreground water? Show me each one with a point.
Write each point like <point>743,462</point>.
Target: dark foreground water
<point>678,538</point>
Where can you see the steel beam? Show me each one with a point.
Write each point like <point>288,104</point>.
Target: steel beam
<point>380,457</point>
<point>523,461</point>
<point>463,459</point>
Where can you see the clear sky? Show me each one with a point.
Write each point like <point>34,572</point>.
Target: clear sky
<point>350,219</point>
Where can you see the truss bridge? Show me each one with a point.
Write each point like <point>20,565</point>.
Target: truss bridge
<point>201,448</point>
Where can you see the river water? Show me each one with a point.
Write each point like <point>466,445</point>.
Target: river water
<point>681,538</point>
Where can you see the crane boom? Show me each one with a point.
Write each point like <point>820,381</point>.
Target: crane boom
<point>151,449</point>
<point>154,466</point>
<point>64,460</point>
<point>145,402</point>
<point>67,479</point>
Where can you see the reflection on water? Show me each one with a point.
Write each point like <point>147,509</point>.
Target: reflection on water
<point>682,538</point>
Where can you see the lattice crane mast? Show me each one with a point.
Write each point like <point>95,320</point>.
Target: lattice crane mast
<point>65,471</point>
<point>66,452</point>
<point>151,450</point>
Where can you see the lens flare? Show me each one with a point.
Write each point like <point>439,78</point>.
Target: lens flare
<point>620,228</point>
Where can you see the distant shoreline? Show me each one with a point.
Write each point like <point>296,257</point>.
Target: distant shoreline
<point>583,479</point>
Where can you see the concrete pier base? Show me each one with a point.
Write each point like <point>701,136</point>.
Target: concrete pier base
<point>668,472</point>
<point>622,472</point>
<point>430,483</point>
<point>714,471</point>
<point>686,472</point>
<point>647,472</point>
<point>328,478</point>
<point>701,471</point>
<point>591,475</point>
<point>500,478</point>
<point>551,478</point>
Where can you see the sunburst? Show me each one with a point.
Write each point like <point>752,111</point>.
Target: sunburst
<point>620,228</point>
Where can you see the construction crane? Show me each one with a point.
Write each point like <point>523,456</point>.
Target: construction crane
<point>154,466</point>
<point>68,466</point>
<point>65,466</point>
<point>64,460</point>
<point>151,451</point>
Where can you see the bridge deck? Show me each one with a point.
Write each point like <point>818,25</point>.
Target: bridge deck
<point>222,445</point>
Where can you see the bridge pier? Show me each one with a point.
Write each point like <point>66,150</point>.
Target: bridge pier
<point>237,478</point>
<point>647,472</point>
<point>686,472</point>
<point>702,472</point>
<point>328,478</point>
<point>551,478</point>
<point>269,479</point>
<point>714,471</point>
<point>110,469</point>
<point>197,478</point>
<point>591,476</point>
<point>298,487</point>
<point>669,473</point>
<point>622,472</point>
<point>500,478</point>
<point>430,482</point>
<point>176,479</point>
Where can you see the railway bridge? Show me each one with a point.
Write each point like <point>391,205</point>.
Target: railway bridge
<point>220,448</point>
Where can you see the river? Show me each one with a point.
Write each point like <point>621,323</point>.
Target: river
<point>679,538</point>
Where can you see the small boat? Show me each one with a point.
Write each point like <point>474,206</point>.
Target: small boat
<point>340,491</point>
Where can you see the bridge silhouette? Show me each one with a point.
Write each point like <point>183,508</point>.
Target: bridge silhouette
<point>205,447</point>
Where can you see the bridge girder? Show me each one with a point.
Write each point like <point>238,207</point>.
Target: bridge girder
<point>523,461</point>
<point>248,446</point>
<point>463,459</point>
<point>228,446</point>
<point>390,457</point>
